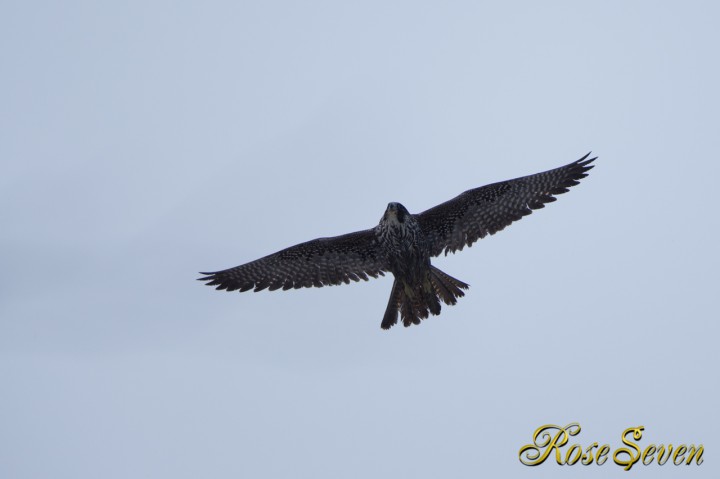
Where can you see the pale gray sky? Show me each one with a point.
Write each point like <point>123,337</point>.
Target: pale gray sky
<point>142,142</point>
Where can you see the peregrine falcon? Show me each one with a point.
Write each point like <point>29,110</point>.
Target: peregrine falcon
<point>403,243</point>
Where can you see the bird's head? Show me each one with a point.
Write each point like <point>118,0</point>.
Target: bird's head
<point>395,212</point>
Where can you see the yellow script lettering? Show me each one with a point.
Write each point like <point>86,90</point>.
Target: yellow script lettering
<point>631,458</point>
<point>647,456</point>
<point>544,442</point>
<point>691,453</point>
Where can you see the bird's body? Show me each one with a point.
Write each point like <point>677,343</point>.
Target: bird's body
<point>403,244</point>
<point>407,254</point>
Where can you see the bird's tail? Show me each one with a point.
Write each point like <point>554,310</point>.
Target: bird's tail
<point>417,303</point>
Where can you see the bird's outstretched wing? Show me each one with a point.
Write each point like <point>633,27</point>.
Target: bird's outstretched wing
<point>475,213</point>
<point>320,262</point>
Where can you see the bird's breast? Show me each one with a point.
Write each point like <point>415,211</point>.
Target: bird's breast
<point>404,247</point>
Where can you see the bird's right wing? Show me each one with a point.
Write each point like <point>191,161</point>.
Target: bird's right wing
<point>476,213</point>
<point>320,262</point>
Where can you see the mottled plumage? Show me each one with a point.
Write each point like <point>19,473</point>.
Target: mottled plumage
<point>403,243</point>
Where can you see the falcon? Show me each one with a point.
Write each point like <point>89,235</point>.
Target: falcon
<point>403,244</point>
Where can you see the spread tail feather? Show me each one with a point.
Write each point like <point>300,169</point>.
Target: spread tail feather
<point>447,287</point>
<point>416,304</point>
<point>391,312</point>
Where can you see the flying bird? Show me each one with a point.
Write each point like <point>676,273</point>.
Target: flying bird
<point>403,243</point>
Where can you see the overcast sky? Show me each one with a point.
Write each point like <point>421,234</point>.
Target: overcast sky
<point>142,142</point>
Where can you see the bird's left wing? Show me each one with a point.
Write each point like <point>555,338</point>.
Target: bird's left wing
<point>320,262</point>
<point>476,213</point>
